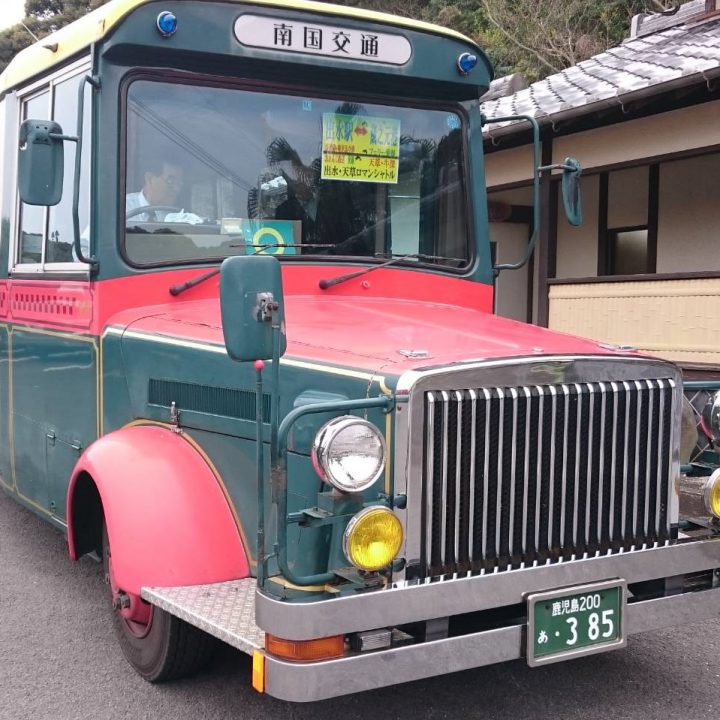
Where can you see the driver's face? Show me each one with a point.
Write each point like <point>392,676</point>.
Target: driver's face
<point>164,189</point>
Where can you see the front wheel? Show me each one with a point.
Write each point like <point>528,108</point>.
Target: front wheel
<point>159,646</point>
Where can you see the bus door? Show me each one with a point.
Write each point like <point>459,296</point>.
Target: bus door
<point>53,356</point>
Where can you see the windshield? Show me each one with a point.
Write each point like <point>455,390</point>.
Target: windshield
<point>213,172</point>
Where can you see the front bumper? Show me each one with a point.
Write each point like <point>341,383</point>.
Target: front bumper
<point>302,682</point>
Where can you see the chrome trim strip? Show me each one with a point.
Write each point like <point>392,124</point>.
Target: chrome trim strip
<point>443,496</point>
<point>623,526</point>
<point>613,458</point>
<point>601,465</point>
<point>576,497</point>
<point>589,489</point>
<point>551,491</point>
<point>526,469</point>
<point>500,451</point>
<point>473,444</point>
<point>416,602</point>
<point>538,466</point>
<point>661,473</point>
<point>429,477</point>
<point>458,474</point>
<point>488,402</point>
<point>674,450</point>
<point>637,458</point>
<point>648,465</point>
<point>566,394</point>
<point>513,466</point>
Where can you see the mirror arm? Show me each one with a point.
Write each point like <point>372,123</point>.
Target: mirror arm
<point>536,188</point>
<point>94,82</point>
<point>558,166</point>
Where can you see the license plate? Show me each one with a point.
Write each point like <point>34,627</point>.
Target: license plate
<point>576,621</point>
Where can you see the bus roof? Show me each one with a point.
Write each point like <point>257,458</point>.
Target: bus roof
<point>66,42</point>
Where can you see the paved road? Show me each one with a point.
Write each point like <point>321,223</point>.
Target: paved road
<point>59,660</point>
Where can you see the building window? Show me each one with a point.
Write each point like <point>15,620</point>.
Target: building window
<point>628,220</point>
<point>628,251</point>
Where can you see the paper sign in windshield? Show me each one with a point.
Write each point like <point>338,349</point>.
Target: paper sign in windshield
<point>360,148</point>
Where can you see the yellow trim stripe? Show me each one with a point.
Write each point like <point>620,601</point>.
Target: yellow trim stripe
<point>220,349</point>
<point>94,26</point>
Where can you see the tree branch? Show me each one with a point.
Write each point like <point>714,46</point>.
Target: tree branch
<point>514,40</point>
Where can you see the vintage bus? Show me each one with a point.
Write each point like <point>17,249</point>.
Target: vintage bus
<point>250,361</point>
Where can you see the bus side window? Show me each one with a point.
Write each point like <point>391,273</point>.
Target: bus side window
<point>32,217</point>
<point>46,234</point>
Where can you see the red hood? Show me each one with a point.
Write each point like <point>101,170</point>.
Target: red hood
<point>372,334</point>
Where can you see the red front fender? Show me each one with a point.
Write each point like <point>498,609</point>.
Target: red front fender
<point>168,520</point>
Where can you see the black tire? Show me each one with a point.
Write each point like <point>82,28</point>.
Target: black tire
<point>167,648</point>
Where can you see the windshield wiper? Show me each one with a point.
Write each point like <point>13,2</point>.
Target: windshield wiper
<point>182,287</point>
<point>326,283</point>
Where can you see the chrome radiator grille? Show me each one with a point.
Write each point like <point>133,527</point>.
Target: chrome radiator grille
<point>545,473</point>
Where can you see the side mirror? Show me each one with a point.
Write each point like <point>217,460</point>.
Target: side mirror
<point>41,162</point>
<point>572,201</point>
<point>251,303</point>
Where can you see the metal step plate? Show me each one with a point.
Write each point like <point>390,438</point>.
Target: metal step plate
<point>225,610</point>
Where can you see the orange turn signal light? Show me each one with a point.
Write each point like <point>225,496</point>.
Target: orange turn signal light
<point>305,650</point>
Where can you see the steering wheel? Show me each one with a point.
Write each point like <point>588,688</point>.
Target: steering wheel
<point>151,209</point>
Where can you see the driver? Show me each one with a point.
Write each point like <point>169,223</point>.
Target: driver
<point>163,181</point>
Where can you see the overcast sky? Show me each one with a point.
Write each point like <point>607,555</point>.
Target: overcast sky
<point>12,11</point>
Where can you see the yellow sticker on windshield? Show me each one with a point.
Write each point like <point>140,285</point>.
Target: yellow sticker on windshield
<point>360,148</point>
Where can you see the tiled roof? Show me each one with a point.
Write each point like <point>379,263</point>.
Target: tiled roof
<point>642,66</point>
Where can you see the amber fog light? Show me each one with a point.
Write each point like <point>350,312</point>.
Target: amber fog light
<point>373,538</point>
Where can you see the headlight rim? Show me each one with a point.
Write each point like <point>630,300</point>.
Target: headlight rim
<point>323,440</point>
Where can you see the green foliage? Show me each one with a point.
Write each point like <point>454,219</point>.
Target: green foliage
<point>533,37</point>
<point>41,17</point>
<point>540,37</point>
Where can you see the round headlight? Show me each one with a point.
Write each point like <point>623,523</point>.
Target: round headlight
<point>711,417</point>
<point>373,538</point>
<point>349,453</point>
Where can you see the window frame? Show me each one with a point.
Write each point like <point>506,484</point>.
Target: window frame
<point>180,77</point>
<point>23,96</point>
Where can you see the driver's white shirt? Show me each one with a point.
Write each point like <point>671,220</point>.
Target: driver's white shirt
<point>137,200</point>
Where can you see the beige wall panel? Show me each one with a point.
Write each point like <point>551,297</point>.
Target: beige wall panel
<point>676,131</point>
<point>509,166</point>
<point>511,288</point>
<point>689,216</point>
<point>674,319</point>
<point>577,246</point>
<point>628,197</point>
